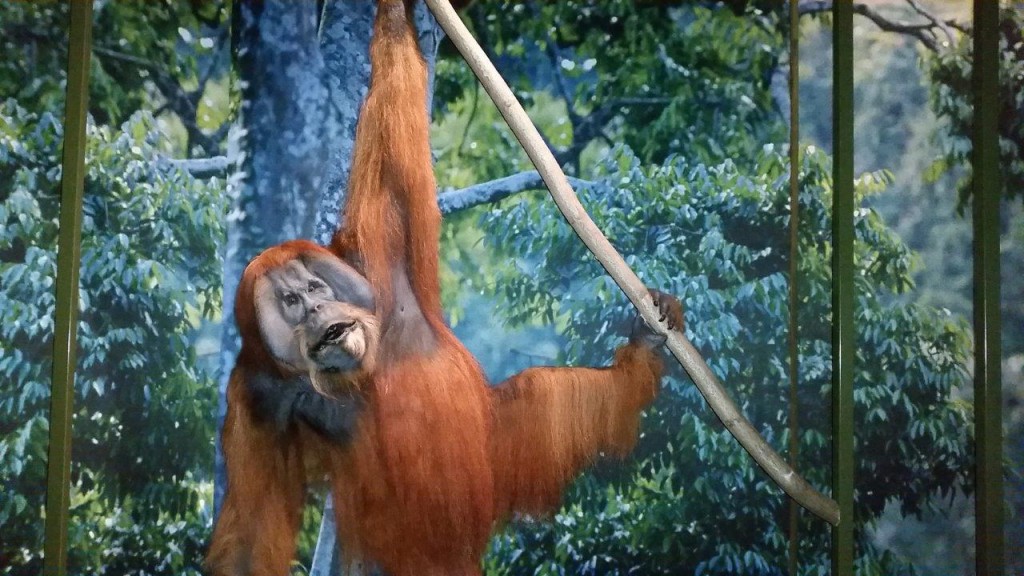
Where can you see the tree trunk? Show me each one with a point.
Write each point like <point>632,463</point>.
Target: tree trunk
<point>287,130</point>
<point>344,44</point>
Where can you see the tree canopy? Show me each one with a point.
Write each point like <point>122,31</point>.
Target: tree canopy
<point>142,419</point>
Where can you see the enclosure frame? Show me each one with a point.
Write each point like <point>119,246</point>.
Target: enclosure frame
<point>986,217</point>
<point>69,251</point>
<point>988,387</point>
<point>843,330</point>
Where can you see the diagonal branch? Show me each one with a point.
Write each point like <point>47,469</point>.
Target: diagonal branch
<point>931,18</point>
<point>924,32</point>
<point>612,261</point>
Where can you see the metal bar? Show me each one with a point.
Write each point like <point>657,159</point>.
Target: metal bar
<point>65,339</point>
<point>987,349</point>
<point>794,270</point>
<point>842,286</point>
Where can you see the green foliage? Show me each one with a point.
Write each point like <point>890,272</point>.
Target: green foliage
<point>32,58</point>
<point>693,501</point>
<point>161,55</point>
<point>688,80</point>
<point>700,209</point>
<point>129,537</point>
<point>149,272</point>
<point>951,97</point>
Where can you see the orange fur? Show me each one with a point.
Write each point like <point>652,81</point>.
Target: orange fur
<point>438,459</point>
<point>417,496</point>
<point>267,473</point>
<point>551,422</point>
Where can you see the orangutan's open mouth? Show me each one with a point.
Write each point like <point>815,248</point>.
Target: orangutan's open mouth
<point>333,333</point>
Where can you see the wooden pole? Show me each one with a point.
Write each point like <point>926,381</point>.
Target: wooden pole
<point>69,248</point>
<point>708,384</point>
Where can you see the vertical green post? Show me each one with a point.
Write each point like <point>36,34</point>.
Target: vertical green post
<point>794,269</point>
<point>68,260</point>
<point>987,349</point>
<point>842,286</point>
